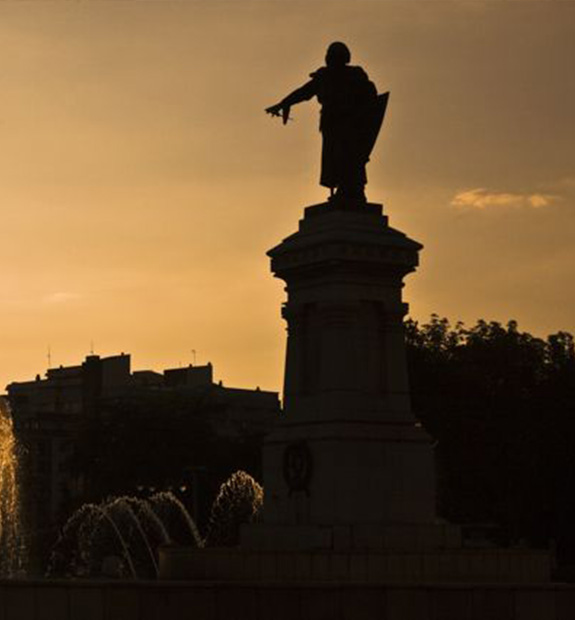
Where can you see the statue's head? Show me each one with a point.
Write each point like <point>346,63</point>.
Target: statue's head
<point>337,55</point>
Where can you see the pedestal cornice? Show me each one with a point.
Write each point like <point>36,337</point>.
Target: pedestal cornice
<point>349,240</point>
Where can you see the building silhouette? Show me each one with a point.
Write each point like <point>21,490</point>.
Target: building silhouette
<point>55,415</point>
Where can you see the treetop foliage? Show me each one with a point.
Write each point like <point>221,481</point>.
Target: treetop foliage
<point>500,405</point>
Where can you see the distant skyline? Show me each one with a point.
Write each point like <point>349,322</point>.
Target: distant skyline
<point>141,182</point>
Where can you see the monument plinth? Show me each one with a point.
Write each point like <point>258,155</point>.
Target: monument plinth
<point>348,462</point>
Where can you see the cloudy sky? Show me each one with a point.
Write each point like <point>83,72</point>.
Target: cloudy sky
<point>141,182</point>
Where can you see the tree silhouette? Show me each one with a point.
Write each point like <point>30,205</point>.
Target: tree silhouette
<point>501,405</point>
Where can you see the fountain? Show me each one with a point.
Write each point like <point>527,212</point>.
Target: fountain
<point>239,500</point>
<point>12,549</point>
<point>120,536</point>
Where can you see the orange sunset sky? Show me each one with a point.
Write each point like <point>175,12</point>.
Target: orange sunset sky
<point>141,182</point>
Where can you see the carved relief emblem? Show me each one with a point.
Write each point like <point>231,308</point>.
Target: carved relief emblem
<point>297,467</point>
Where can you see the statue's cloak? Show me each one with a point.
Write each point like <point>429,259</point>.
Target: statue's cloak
<point>348,143</point>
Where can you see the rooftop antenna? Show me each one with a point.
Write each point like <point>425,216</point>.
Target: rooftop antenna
<point>194,357</point>
<point>49,356</point>
<point>91,347</point>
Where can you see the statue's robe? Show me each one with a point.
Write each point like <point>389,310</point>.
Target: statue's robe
<point>351,115</point>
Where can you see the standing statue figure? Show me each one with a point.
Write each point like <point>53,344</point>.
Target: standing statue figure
<point>351,115</point>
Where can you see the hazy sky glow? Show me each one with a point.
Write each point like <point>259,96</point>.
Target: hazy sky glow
<point>141,182</point>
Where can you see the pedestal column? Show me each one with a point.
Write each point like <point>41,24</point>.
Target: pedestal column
<point>348,451</point>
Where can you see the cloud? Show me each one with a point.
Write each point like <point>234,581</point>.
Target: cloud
<point>568,182</point>
<point>481,198</point>
<point>60,297</point>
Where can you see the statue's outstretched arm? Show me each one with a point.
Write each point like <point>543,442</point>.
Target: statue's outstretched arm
<point>304,93</point>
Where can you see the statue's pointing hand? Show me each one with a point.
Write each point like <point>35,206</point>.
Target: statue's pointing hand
<point>280,110</point>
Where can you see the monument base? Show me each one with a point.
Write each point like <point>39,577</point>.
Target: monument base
<point>364,473</point>
<point>351,538</point>
<point>386,566</point>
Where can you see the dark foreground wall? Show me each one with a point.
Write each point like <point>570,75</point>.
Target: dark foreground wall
<point>68,600</point>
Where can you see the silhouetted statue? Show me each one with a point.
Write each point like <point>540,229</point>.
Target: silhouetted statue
<point>351,116</point>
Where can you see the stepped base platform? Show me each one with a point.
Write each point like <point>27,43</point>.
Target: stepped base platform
<point>384,566</point>
<point>352,537</point>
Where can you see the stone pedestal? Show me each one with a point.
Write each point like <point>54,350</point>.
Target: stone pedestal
<point>348,460</point>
